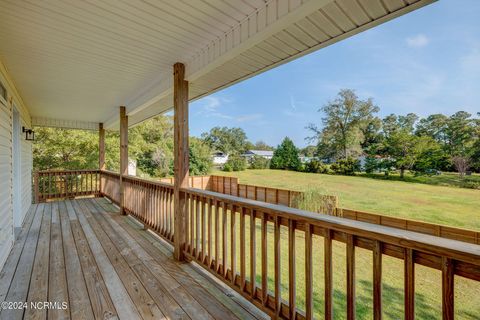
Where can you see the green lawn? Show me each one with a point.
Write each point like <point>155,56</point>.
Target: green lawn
<point>452,206</point>
<point>448,179</point>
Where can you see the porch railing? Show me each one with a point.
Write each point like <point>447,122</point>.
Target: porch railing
<point>239,240</point>
<point>66,184</point>
<point>218,226</point>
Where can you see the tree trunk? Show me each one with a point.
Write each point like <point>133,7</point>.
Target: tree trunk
<point>402,173</point>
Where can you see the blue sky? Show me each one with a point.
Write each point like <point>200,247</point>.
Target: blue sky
<point>425,62</point>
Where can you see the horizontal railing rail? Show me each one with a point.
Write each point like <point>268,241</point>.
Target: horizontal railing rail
<point>59,184</point>
<point>217,229</point>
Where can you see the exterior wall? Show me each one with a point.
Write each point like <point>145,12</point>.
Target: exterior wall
<point>6,164</point>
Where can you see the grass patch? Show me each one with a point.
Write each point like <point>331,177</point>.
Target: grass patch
<point>436,204</point>
<point>448,179</point>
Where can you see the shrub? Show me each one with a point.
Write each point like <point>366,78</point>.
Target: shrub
<point>470,184</point>
<point>346,166</point>
<point>258,162</point>
<point>235,163</point>
<point>316,166</point>
<point>227,167</point>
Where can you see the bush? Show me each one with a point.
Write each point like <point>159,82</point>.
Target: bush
<point>227,167</point>
<point>235,163</point>
<point>470,184</point>
<point>346,166</point>
<point>316,166</point>
<point>258,162</point>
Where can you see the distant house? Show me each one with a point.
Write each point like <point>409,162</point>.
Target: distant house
<point>219,158</point>
<point>267,154</point>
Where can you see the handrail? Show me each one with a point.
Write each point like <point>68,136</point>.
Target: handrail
<point>147,181</point>
<point>414,240</point>
<point>67,171</point>
<point>205,208</point>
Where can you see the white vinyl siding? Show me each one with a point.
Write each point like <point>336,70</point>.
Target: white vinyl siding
<point>6,215</point>
<point>7,234</point>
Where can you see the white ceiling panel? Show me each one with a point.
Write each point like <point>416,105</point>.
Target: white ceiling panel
<point>77,61</point>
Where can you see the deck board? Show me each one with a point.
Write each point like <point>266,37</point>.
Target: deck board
<point>105,266</point>
<point>57,287</point>
<point>79,302</point>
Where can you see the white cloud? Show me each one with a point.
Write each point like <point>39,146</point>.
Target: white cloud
<point>417,41</point>
<point>212,104</point>
<point>249,117</point>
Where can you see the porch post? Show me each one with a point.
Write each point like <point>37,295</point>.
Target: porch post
<point>123,155</point>
<point>101,147</point>
<point>181,156</point>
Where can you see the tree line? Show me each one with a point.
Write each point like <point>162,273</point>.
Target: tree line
<point>351,128</point>
<point>150,145</point>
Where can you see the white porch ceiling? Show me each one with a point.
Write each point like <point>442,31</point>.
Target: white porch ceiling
<point>78,61</point>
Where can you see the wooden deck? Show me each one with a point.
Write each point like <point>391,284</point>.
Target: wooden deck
<point>105,266</point>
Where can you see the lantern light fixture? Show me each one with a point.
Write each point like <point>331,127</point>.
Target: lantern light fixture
<point>29,134</point>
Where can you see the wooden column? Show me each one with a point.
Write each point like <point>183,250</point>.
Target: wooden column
<point>181,156</point>
<point>123,154</point>
<point>101,155</point>
<point>101,147</point>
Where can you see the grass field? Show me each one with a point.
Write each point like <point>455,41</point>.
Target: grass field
<point>448,179</point>
<point>438,204</point>
<point>452,206</point>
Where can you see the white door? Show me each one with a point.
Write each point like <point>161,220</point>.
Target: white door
<point>17,173</point>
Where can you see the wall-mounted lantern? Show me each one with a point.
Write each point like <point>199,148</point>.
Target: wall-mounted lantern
<point>29,134</point>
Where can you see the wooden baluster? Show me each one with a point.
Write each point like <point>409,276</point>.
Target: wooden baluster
<point>224,240</point>
<point>328,275</point>
<point>277,265</point>
<point>308,272</point>
<point>448,281</point>
<point>350,277</point>
<point>161,211</point>
<point>166,214</point>
<point>153,212</point>
<point>264,260</point>
<point>409,286</point>
<point>49,182</point>
<point>192,225</point>
<point>291,269</point>
<point>204,238</point>
<point>242,212</point>
<point>377,281</point>
<point>197,227</point>
<point>233,242</point>
<point>253,254</point>
<point>171,212</point>
<point>217,235</point>
<point>189,228</point>
<point>209,231</point>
